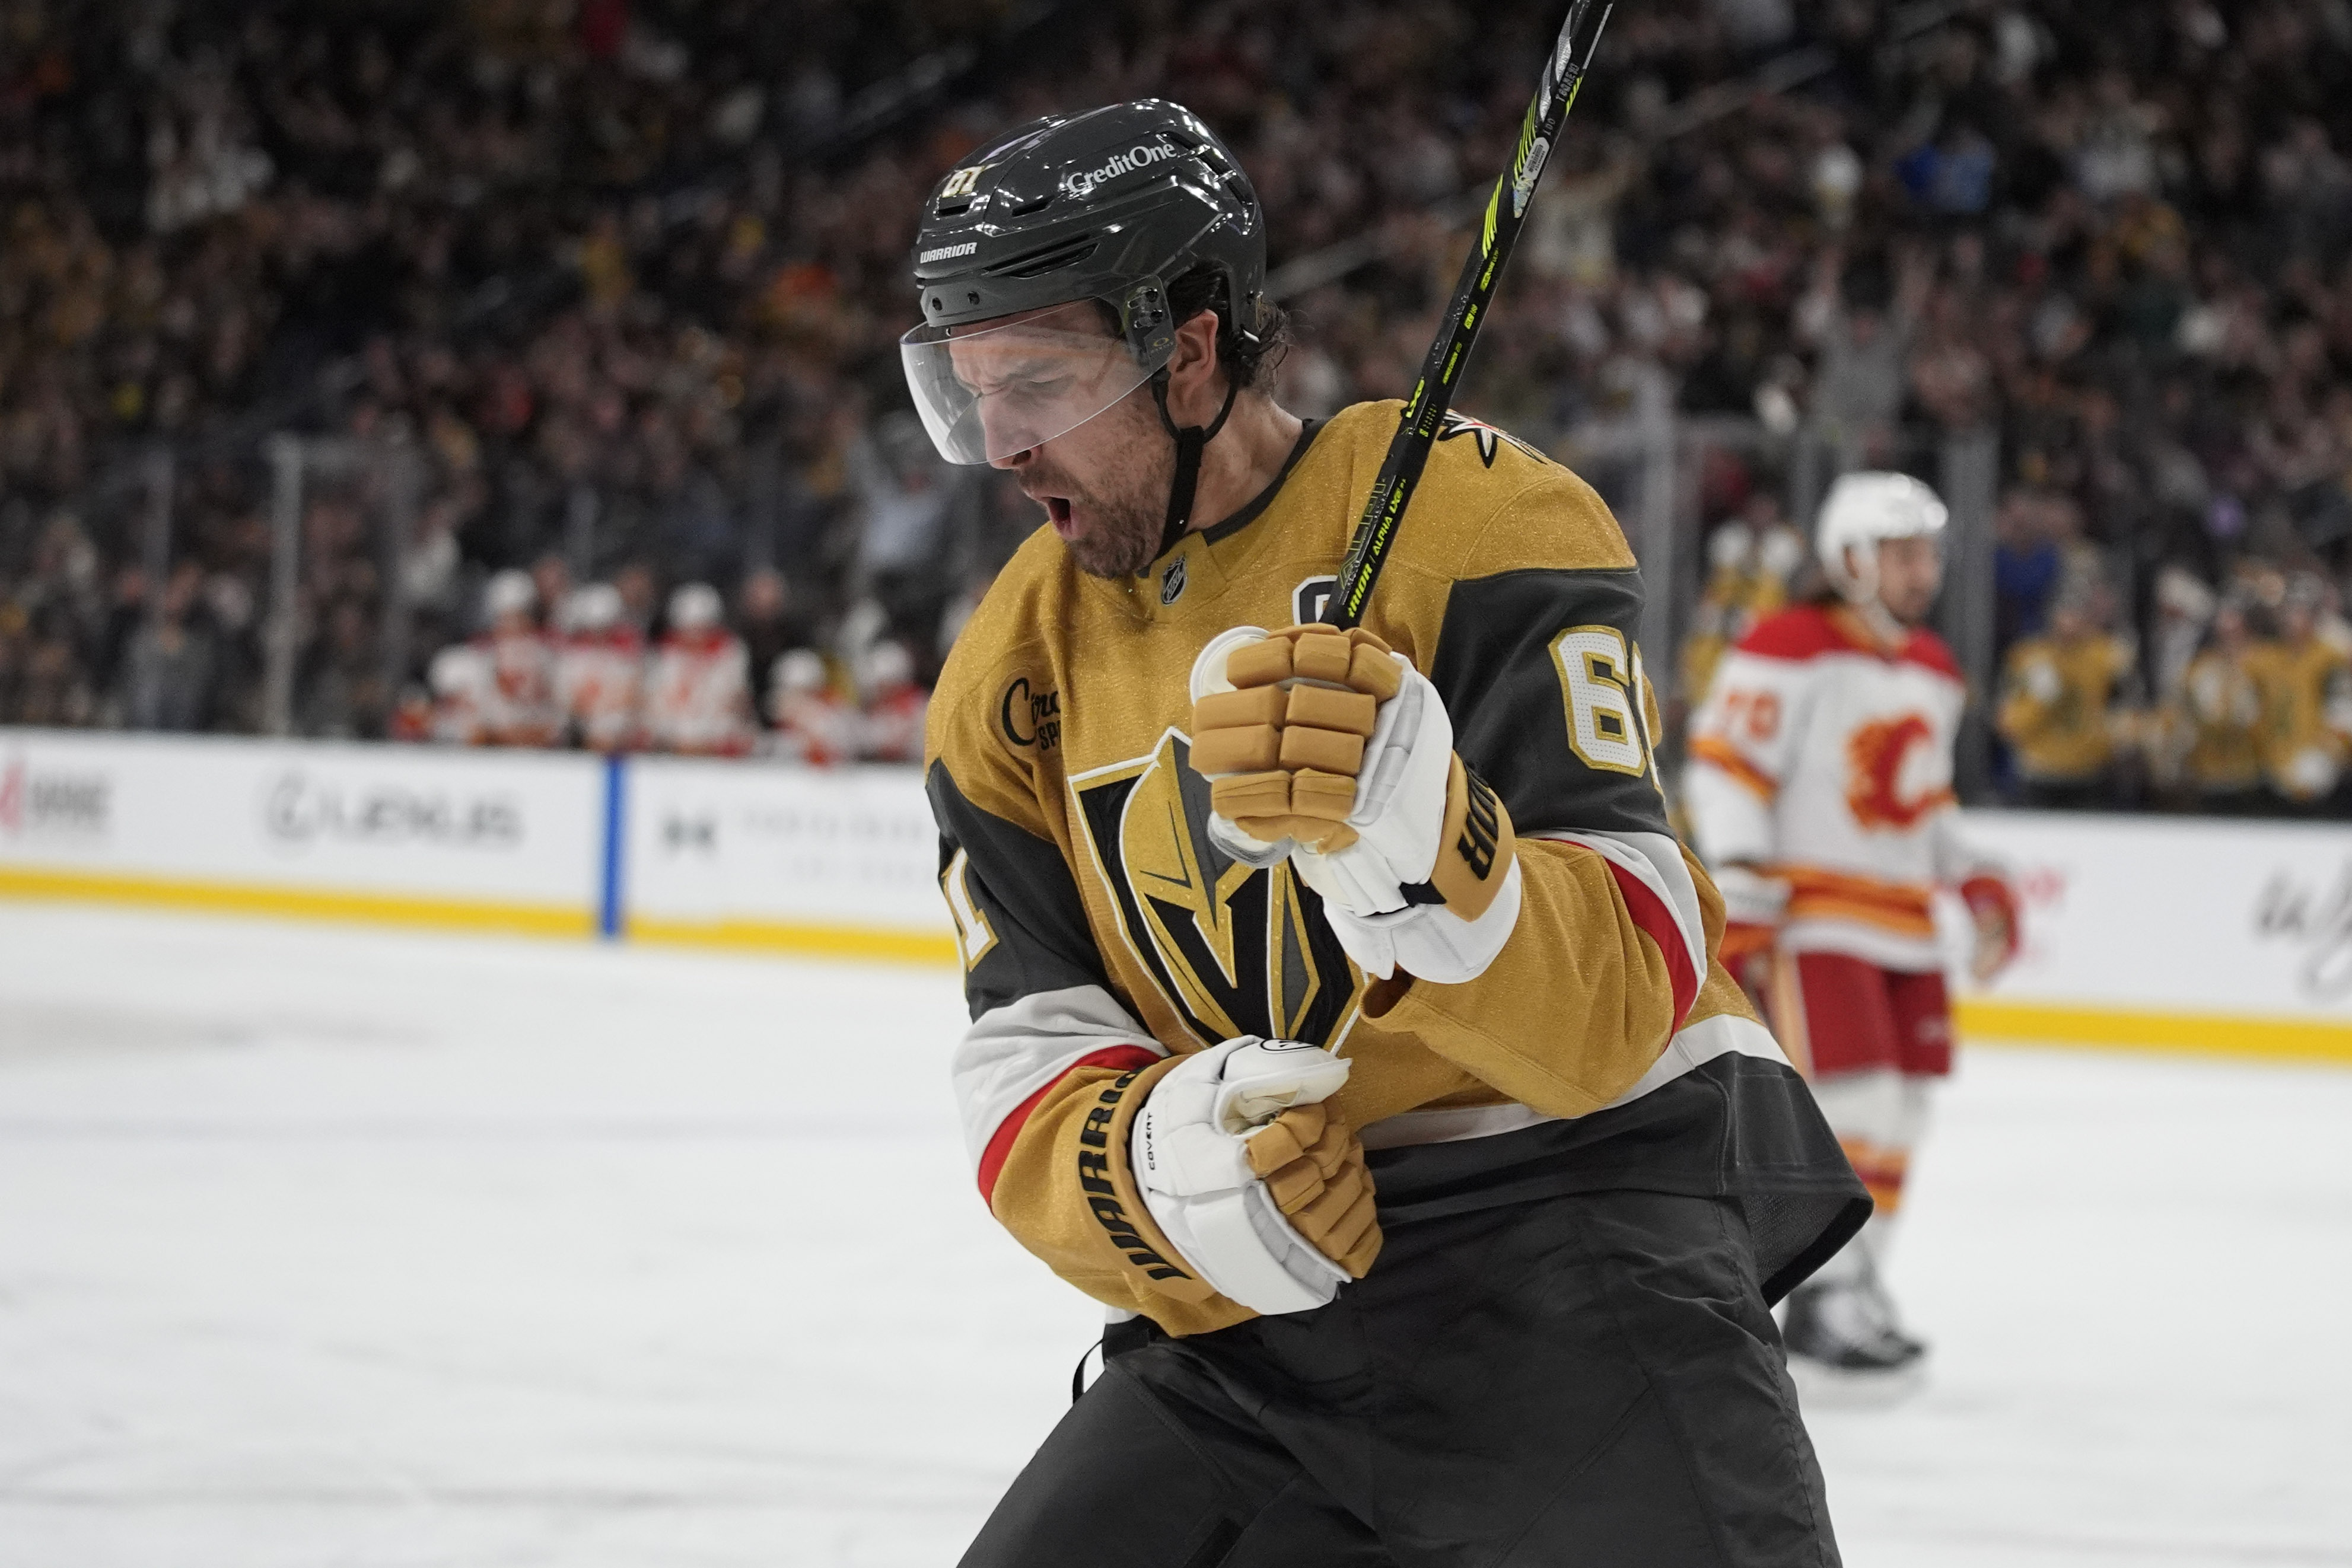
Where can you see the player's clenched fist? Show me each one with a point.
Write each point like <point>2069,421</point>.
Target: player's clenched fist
<point>1251,1176</point>
<point>1284,738</point>
<point>1313,1167</point>
<point>1330,748</point>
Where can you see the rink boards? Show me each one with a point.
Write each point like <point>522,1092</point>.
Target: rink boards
<point>2144,933</point>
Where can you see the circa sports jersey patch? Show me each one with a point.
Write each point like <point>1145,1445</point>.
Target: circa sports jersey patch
<point>1234,949</point>
<point>1029,716</point>
<point>1172,581</point>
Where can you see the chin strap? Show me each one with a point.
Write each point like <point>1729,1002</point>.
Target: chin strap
<point>1189,443</point>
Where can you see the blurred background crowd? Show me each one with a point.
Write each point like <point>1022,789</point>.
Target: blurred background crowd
<point>583,313</point>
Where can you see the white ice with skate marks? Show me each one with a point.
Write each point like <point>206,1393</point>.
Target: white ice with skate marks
<point>333,1250</point>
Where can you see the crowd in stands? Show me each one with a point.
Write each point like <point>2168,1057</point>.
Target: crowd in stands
<point>619,281</point>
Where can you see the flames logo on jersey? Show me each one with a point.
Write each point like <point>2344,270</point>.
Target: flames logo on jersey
<point>1234,949</point>
<point>1876,759</point>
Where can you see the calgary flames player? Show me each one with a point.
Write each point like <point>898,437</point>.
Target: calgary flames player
<point>814,723</point>
<point>1820,791</point>
<point>892,722</point>
<point>698,683</point>
<point>460,680</point>
<point>1344,1017</point>
<point>600,669</point>
<point>517,705</point>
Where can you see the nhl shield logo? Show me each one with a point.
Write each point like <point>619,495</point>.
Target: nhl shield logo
<point>1171,583</point>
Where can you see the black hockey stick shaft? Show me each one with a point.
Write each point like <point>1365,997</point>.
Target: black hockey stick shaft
<point>1424,412</point>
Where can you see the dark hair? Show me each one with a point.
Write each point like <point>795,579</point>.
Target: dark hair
<point>1247,361</point>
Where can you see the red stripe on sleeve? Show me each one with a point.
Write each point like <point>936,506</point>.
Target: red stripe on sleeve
<point>1651,914</point>
<point>1125,1058</point>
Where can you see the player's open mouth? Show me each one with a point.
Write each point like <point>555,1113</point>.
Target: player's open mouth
<point>1057,512</point>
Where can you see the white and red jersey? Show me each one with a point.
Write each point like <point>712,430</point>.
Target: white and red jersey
<point>699,695</point>
<point>518,706</point>
<point>894,725</point>
<point>599,680</point>
<point>461,687</point>
<point>1825,757</point>
<point>817,727</point>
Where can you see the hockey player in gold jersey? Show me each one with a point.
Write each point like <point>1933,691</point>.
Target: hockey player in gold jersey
<point>1344,1015</point>
<point>2216,720</point>
<point>2065,708</point>
<point>2306,682</point>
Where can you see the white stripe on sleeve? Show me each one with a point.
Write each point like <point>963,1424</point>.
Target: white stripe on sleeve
<point>1656,860</point>
<point>1013,1051</point>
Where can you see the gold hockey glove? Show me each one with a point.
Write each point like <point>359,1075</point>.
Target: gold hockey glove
<point>1314,1167</point>
<point>1284,745</point>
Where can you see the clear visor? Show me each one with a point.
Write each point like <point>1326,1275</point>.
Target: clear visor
<point>992,389</point>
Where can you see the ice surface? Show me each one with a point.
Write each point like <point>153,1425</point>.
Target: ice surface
<point>324,1247</point>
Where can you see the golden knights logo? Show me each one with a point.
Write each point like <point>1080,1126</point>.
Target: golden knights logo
<point>1234,949</point>
<point>1486,437</point>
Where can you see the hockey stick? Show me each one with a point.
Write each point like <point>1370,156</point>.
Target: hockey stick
<point>1424,412</point>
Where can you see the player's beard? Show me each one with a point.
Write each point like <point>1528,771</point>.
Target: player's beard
<point>1912,613</point>
<point>1121,509</point>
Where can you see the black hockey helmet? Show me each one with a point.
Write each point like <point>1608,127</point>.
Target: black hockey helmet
<point>1110,206</point>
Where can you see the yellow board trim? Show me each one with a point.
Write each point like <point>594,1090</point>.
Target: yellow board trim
<point>895,944</point>
<point>299,903</point>
<point>1980,1020</point>
<point>1983,1020</point>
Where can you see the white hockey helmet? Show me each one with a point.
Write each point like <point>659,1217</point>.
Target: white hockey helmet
<point>887,667</point>
<point>694,608</point>
<point>1731,548</point>
<point>455,671</point>
<point>1779,551</point>
<point>800,670</point>
<point>1863,509</point>
<point>510,592</point>
<point>594,607</point>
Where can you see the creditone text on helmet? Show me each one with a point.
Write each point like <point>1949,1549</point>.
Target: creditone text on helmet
<point>1142,155</point>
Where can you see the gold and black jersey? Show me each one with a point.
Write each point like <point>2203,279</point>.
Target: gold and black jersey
<point>1104,933</point>
<point>2219,715</point>
<point>2059,706</point>
<point>2307,714</point>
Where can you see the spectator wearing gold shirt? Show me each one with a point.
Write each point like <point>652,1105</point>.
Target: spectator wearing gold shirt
<point>2066,710</point>
<point>2306,681</point>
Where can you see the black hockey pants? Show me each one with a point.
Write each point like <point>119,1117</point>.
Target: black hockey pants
<point>1582,1382</point>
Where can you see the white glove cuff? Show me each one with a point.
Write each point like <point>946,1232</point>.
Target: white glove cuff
<point>1400,809</point>
<point>1188,1156</point>
<point>1241,1244</point>
<point>1429,941</point>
